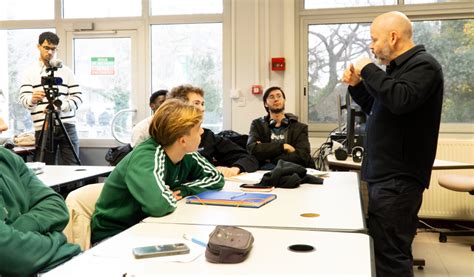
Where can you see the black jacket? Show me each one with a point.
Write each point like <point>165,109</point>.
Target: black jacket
<point>404,107</point>
<point>267,151</point>
<point>222,151</point>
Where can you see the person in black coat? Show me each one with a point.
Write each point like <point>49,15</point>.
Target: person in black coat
<point>279,135</point>
<point>404,107</point>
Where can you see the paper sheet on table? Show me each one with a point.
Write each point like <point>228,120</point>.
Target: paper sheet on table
<point>315,172</point>
<point>248,178</point>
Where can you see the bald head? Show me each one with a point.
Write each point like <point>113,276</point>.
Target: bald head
<point>394,22</point>
<point>392,35</point>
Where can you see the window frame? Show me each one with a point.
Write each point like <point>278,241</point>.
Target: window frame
<point>416,12</point>
<point>142,25</point>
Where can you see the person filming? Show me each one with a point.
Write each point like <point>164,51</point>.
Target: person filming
<point>67,99</point>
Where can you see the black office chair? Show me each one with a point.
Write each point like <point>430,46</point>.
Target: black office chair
<point>461,183</point>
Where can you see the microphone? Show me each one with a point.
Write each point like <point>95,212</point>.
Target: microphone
<point>57,63</point>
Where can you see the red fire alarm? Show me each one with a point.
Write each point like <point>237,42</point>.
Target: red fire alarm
<point>257,89</point>
<point>278,64</point>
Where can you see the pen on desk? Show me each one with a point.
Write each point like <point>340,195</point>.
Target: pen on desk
<point>237,195</point>
<point>195,240</point>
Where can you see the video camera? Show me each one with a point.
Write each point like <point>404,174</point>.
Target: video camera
<point>50,82</point>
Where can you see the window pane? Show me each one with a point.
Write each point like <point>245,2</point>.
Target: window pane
<point>18,49</point>
<point>167,7</point>
<point>452,43</point>
<point>190,53</point>
<point>319,4</point>
<point>330,49</point>
<point>102,8</point>
<point>37,9</point>
<point>103,69</point>
<point>433,1</point>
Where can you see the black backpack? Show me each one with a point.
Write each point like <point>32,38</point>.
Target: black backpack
<point>115,154</point>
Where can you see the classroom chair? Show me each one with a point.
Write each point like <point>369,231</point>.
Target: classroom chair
<point>81,206</point>
<point>461,183</point>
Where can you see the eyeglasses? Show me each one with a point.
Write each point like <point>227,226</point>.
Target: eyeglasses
<point>275,96</point>
<point>47,48</point>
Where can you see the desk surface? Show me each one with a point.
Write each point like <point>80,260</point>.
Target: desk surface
<point>337,202</point>
<point>336,254</point>
<point>438,164</point>
<point>57,175</point>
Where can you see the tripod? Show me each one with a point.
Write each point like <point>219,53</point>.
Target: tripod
<point>46,137</point>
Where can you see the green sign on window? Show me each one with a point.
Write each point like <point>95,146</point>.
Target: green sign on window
<point>102,65</point>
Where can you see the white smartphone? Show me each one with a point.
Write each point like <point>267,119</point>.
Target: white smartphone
<point>160,250</point>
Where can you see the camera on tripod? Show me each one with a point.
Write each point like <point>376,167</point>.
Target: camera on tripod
<point>50,83</point>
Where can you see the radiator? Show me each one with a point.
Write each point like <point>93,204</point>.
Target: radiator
<point>441,203</point>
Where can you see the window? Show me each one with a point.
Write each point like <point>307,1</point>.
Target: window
<point>452,43</point>
<point>190,54</point>
<point>331,48</point>
<point>102,8</point>
<point>36,9</point>
<point>18,48</point>
<point>174,7</point>
<point>318,4</point>
<point>103,68</point>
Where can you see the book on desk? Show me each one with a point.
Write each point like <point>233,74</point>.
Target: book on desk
<point>228,198</point>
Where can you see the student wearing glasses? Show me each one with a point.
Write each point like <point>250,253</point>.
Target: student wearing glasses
<point>33,98</point>
<point>279,135</point>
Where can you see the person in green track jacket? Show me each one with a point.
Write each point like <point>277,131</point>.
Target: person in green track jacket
<point>32,218</point>
<point>157,173</point>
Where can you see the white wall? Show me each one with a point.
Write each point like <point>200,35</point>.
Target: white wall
<point>262,31</point>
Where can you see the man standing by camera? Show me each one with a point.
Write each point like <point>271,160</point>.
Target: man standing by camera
<point>33,97</point>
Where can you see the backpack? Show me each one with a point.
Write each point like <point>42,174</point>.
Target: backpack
<point>228,244</point>
<point>235,137</point>
<point>115,154</point>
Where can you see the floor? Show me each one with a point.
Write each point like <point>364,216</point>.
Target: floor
<point>451,259</point>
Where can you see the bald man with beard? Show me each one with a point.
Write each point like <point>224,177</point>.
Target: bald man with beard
<point>403,104</point>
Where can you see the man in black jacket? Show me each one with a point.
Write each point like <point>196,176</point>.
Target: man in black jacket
<point>279,135</point>
<point>404,103</point>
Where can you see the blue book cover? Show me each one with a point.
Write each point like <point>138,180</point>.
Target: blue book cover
<point>230,198</point>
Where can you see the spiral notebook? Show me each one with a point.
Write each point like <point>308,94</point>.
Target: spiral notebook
<point>229,198</point>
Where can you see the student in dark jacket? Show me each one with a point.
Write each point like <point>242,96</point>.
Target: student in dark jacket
<point>279,135</point>
<point>404,103</point>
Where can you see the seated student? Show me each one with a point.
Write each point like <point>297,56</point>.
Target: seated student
<point>279,135</point>
<point>157,173</point>
<point>156,99</point>
<point>32,217</point>
<point>229,157</point>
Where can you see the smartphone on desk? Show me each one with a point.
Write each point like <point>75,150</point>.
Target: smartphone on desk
<point>160,250</point>
<point>255,187</point>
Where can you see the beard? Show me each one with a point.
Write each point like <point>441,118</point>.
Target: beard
<point>277,110</point>
<point>383,57</point>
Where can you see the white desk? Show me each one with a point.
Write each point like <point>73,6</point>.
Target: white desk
<point>337,202</point>
<point>348,164</point>
<point>58,176</point>
<point>336,254</point>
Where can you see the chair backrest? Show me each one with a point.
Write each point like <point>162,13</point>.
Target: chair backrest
<point>81,206</point>
<point>457,182</point>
